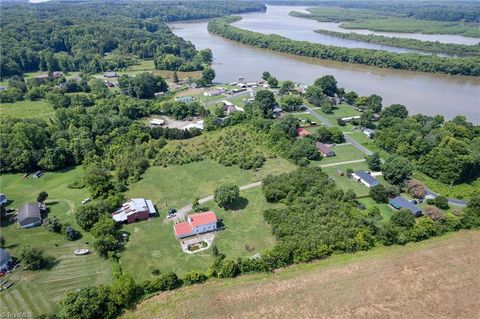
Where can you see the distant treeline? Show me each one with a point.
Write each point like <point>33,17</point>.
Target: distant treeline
<point>405,61</point>
<point>449,48</point>
<point>95,36</point>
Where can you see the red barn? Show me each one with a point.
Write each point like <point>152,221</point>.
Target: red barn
<point>136,209</point>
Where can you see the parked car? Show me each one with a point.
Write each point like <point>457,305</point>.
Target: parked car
<point>414,201</point>
<point>172,211</point>
<point>86,200</point>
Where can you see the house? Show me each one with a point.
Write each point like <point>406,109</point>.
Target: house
<point>3,199</point>
<point>212,92</point>
<point>29,215</point>
<point>399,202</point>
<point>350,118</point>
<point>196,224</point>
<point>185,99</point>
<point>159,95</point>
<point>134,210</point>
<point>156,122</point>
<point>229,107</point>
<point>324,150</point>
<point>5,260</point>
<point>301,132</point>
<point>41,78</point>
<point>368,132</point>
<point>365,178</point>
<point>110,74</point>
<point>57,74</point>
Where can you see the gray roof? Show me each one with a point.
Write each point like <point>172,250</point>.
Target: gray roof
<point>400,202</point>
<point>29,214</point>
<point>4,256</point>
<point>324,148</point>
<point>369,179</point>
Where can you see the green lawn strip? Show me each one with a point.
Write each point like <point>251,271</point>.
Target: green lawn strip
<point>344,182</point>
<point>461,191</point>
<point>152,243</point>
<point>385,210</point>
<point>27,109</point>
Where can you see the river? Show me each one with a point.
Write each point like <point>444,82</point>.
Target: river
<point>420,92</point>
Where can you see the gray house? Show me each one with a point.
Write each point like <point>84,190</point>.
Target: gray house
<point>29,215</point>
<point>5,260</point>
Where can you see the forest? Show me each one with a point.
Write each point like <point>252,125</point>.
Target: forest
<point>95,36</point>
<point>430,46</point>
<point>448,151</point>
<point>405,61</point>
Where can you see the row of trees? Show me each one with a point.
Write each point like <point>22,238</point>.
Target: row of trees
<point>430,46</point>
<point>406,61</point>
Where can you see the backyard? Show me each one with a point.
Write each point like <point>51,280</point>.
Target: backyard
<point>152,244</point>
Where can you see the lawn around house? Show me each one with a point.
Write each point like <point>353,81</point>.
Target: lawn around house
<point>152,243</point>
<point>39,291</point>
<point>27,109</point>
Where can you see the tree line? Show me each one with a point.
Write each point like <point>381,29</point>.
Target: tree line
<point>406,61</point>
<point>449,48</point>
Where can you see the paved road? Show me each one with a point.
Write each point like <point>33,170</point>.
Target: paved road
<point>364,150</point>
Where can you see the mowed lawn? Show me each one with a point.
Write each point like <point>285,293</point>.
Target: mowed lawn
<point>27,109</point>
<point>177,186</point>
<point>39,291</point>
<point>152,243</point>
<point>343,153</point>
<point>344,182</point>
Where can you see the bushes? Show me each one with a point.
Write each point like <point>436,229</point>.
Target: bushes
<point>439,201</point>
<point>226,194</point>
<point>168,281</point>
<point>378,193</point>
<point>194,277</point>
<point>52,224</point>
<point>415,188</point>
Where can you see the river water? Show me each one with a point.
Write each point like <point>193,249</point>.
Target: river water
<point>420,92</point>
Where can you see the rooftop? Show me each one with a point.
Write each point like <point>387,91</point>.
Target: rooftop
<point>204,218</point>
<point>182,228</point>
<point>323,148</point>
<point>400,202</point>
<point>367,177</point>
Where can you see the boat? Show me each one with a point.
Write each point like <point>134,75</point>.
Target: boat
<point>80,252</point>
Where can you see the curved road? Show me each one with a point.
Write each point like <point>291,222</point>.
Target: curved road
<point>366,151</point>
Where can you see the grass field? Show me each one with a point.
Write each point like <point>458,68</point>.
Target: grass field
<point>27,109</point>
<point>38,292</point>
<point>152,244</point>
<point>343,152</point>
<point>419,280</point>
<point>177,186</point>
<point>345,182</point>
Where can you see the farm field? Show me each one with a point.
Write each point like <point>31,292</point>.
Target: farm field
<point>396,281</point>
<point>38,292</point>
<point>27,109</point>
<point>152,243</point>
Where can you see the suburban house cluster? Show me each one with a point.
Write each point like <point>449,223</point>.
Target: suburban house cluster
<point>196,224</point>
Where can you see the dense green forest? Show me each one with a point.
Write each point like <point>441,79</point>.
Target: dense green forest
<point>96,36</point>
<point>447,151</point>
<point>450,48</point>
<point>406,61</point>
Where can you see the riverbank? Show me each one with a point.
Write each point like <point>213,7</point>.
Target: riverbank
<point>413,62</point>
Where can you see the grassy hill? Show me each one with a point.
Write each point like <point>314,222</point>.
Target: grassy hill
<point>432,279</point>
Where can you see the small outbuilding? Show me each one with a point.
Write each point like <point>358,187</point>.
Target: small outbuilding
<point>29,215</point>
<point>324,150</point>
<point>185,99</point>
<point>301,132</point>
<point>5,260</point>
<point>400,202</point>
<point>110,74</point>
<point>365,178</point>
<point>134,210</point>
<point>3,199</point>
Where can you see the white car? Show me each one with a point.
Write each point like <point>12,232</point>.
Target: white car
<point>86,200</point>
